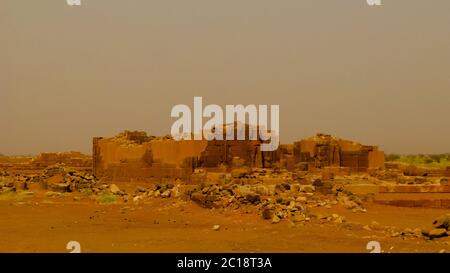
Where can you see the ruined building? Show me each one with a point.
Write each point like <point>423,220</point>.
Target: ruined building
<point>136,156</point>
<point>326,151</point>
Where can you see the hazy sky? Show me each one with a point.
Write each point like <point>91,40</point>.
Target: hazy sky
<point>378,75</point>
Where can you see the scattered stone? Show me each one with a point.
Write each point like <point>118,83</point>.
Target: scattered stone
<point>366,227</point>
<point>53,194</point>
<point>253,198</point>
<point>442,222</point>
<point>216,227</point>
<point>114,189</point>
<point>166,194</point>
<point>141,189</point>
<point>437,233</point>
<point>307,188</point>
<point>266,213</point>
<point>275,219</point>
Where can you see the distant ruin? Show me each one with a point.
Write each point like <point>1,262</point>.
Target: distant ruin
<point>132,155</point>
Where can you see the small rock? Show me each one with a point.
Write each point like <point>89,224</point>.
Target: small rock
<point>253,198</point>
<point>299,218</point>
<point>53,194</point>
<point>366,227</point>
<point>266,213</point>
<point>166,194</point>
<point>442,222</point>
<point>307,188</point>
<point>437,233</point>
<point>275,219</point>
<point>216,227</point>
<point>114,189</point>
<point>141,189</point>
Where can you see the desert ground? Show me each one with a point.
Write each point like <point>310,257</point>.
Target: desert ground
<point>140,193</point>
<point>42,224</point>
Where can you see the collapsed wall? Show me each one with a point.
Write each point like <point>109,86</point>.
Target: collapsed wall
<point>323,151</point>
<point>35,165</point>
<point>135,156</point>
<point>71,159</point>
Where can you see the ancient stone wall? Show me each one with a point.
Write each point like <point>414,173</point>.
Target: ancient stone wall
<point>124,158</point>
<point>136,156</point>
<point>323,151</point>
<point>72,159</point>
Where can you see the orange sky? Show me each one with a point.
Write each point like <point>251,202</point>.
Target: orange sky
<point>378,75</point>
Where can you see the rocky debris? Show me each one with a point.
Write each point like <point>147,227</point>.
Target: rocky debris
<point>350,201</point>
<point>439,228</point>
<point>437,233</point>
<point>204,200</point>
<point>276,219</point>
<point>59,179</point>
<point>442,222</point>
<point>434,233</point>
<point>408,232</point>
<point>114,189</point>
<point>7,183</point>
<point>241,172</point>
<point>79,181</point>
<point>53,194</point>
<point>324,187</point>
<point>307,188</point>
<point>166,194</point>
<point>216,227</point>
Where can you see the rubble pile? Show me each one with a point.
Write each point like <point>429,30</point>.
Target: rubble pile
<point>7,183</point>
<point>439,228</point>
<point>53,179</point>
<point>59,179</point>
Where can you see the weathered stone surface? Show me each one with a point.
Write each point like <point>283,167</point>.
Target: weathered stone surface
<point>437,233</point>
<point>442,222</point>
<point>114,189</point>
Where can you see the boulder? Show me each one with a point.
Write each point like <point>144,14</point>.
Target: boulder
<point>114,189</point>
<point>275,219</point>
<point>442,222</point>
<point>437,233</point>
<point>206,201</point>
<point>59,187</point>
<point>253,198</point>
<point>266,213</point>
<point>166,194</point>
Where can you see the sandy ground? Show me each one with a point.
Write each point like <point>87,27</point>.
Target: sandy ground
<point>168,225</point>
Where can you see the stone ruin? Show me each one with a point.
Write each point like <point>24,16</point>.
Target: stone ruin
<point>136,156</point>
<point>29,165</point>
<point>323,151</point>
<point>72,159</point>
